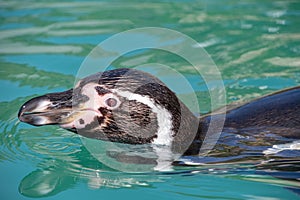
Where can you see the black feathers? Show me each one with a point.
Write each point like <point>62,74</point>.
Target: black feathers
<point>101,91</point>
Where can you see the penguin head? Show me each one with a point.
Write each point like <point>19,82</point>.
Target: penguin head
<point>122,105</point>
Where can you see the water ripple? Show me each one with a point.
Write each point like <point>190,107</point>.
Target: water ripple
<point>19,142</point>
<point>254,43</point>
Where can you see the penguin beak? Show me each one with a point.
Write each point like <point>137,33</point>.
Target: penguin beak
<point>53,108</point>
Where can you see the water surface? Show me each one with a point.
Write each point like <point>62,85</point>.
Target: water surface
<point>255,44</point>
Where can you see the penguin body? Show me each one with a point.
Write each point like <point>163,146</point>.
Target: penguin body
<point>133,107</point>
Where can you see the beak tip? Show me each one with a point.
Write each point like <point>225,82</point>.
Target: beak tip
<point>46,109</point>
<point>20,113</point>
<point>26,111</point>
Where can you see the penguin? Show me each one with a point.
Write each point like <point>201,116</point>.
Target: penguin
<point>134,107</point>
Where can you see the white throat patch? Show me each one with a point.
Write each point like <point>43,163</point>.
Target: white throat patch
<point>164,118</point>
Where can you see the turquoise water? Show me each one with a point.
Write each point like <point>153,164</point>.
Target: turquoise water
<point>255,44</point>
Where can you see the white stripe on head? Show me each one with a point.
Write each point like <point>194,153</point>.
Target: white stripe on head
<point>164,118</point>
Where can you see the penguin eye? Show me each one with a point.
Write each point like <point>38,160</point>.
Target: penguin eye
<point>111,102</point>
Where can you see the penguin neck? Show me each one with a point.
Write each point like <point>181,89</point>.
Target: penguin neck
<point>190,134</point>
<point>208,125</point>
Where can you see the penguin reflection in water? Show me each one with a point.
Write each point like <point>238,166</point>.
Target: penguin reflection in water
<point>133,107</point>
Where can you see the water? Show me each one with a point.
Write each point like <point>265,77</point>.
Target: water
<point>255,44</point>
